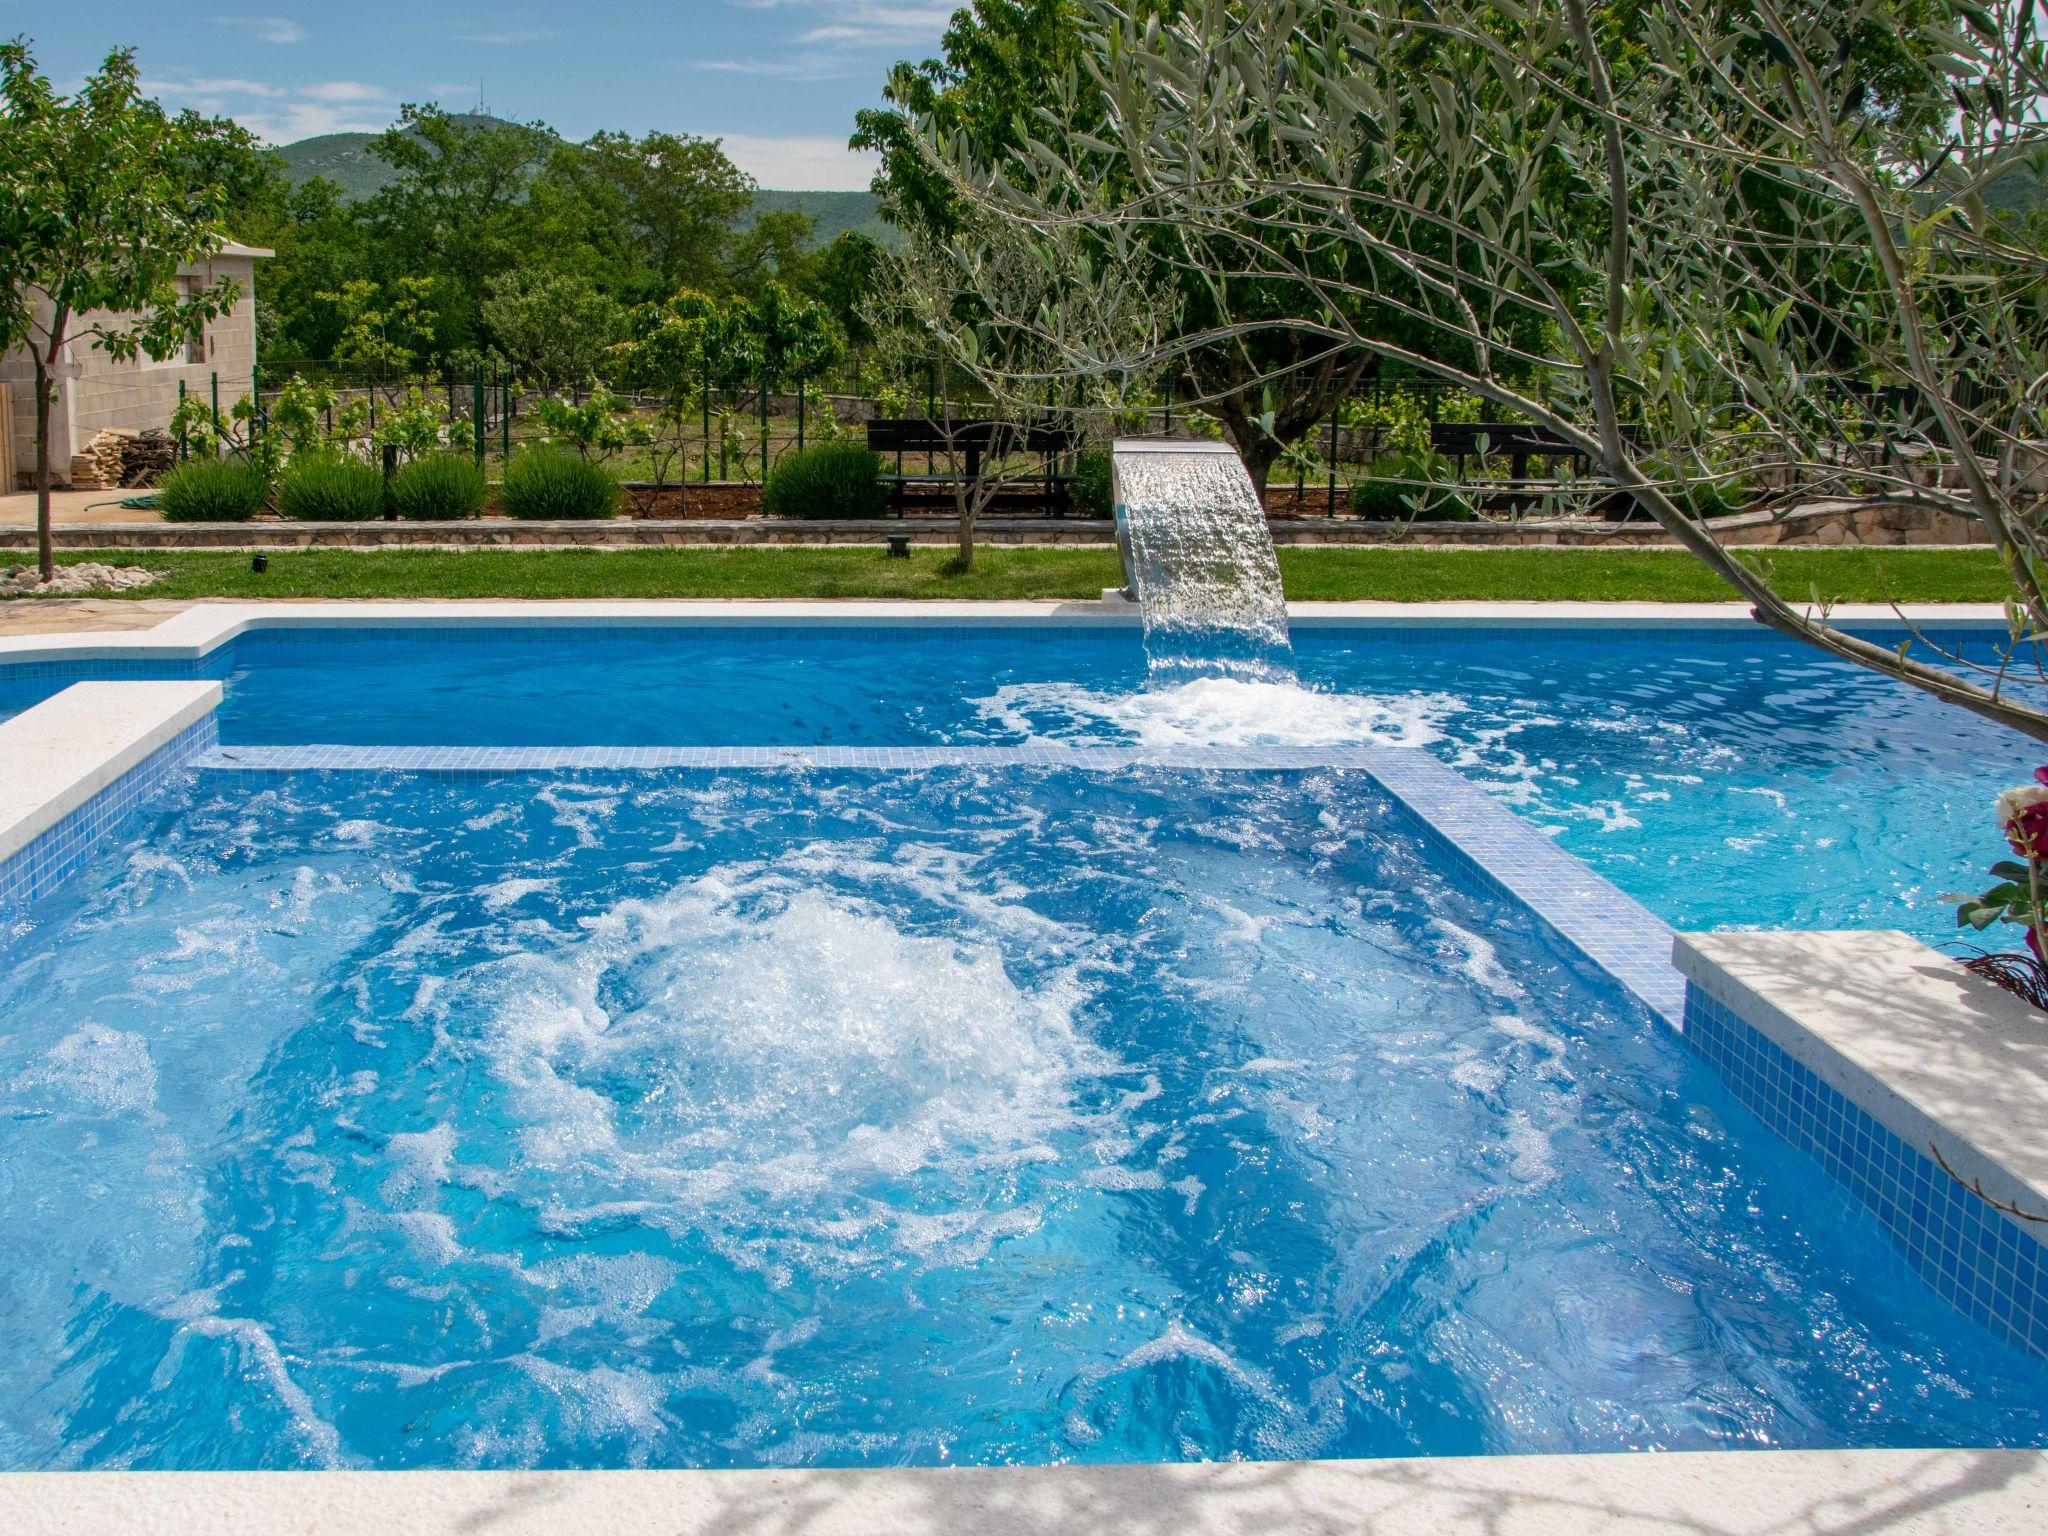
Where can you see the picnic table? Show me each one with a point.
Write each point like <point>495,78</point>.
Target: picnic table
<point>974,441</point>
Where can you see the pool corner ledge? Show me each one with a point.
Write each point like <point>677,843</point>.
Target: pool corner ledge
<point>73,765</point>
<point>1920,1087</point>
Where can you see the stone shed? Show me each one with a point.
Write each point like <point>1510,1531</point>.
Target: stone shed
<point>97,394</point>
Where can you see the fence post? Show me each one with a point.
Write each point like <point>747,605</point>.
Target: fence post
<point>477,415</point>
<point>799,413</point>
<point>707,422</point>
<point>1333,461</point>
<point>505,416</point>
<point>181,421</point>
<point>215,377</point>
<point>764,428</point>
<point>1169,405</point>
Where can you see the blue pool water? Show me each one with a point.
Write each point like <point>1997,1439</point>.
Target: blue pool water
<point>767,1118</point>
<point>1723,778</point>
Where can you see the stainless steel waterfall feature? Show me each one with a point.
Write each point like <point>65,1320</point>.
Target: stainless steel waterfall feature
<point>1198,559</point>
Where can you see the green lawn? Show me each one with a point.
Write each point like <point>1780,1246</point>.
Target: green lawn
<point>1397,575</point>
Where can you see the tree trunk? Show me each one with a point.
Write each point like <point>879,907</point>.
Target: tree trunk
<point>46,557</point>
<point>964,559</point>
<point>1260,454</point>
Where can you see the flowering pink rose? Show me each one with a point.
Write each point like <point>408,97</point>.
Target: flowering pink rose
<point>2023,817</point>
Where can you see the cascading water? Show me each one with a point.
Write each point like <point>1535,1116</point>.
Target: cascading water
<point>1200,562</point>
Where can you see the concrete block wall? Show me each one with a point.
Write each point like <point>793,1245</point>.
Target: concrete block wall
<point>106,393</point>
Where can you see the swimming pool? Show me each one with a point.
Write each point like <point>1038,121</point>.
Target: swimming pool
<point>817,1117</point>
<point>1723,776</point>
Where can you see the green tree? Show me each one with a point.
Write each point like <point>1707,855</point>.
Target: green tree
<point>456,209</point>
<point>388,331</point>
<point>103,197</point>
<point>682,352</point>
<point>321,244</point>
<point>775,248</point>
<point>1565,205</point>
<point>1008,63</point>
<point>793,339</point>
<point>555,329</point>
<point>641,218</point>
<point>845,278</point>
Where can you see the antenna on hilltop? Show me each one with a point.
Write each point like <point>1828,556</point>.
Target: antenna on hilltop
<point>480,97</point>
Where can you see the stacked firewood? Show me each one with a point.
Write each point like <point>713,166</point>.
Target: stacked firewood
<point>118,458</point>
<point>147,457</point>
<point>97,466</point>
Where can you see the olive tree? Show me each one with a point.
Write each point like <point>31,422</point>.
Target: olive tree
<point>954,305</point>
<point>1748,238</point>
<point>103,197</point>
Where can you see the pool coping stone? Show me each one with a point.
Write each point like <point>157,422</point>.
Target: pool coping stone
<point>57,755</point>
<point>205,627</point>
<point>1946,1061</point>
<point>1732,1493</point>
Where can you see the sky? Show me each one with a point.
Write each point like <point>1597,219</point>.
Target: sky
<point>778,80</point>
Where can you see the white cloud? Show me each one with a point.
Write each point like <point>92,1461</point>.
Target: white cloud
<point>819,163</point>
<point>336,91</point>
<point>804,67</point>
<point>877,23</point>
<point>267,29</point>
<point>278,114</point>
<point>507,39</point>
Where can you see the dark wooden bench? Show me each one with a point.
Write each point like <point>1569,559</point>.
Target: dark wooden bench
<point>1521,442</point>
<point>975,441</point>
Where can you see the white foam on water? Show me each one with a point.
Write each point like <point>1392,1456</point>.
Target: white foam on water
<point>422,1161</point>
<point>1219,712</point>
<point>259,1348</point>
<point>510,892</point>
<point>756,1040</point>
<point>603,1400</point>
<point>1531,1157</point>
<point>99,1070</point>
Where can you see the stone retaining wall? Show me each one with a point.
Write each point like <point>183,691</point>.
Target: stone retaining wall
<point>729,520</point>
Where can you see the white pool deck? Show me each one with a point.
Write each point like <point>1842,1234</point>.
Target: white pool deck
<point>58,754</point>
<point>1757,1493</point>
<point>85,738</point>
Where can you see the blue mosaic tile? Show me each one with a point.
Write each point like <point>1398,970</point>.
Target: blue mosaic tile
<point>58,853</point>
<point>1506,856</point>
<point>1987,1264</point>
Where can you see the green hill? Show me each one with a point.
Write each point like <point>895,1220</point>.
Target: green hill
<point>345,160</point>
<point>833,214</point>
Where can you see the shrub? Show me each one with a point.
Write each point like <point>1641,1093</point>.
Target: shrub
<point>441,485</point>
<point>832,480</point>
<point>330,488</point>
<point>1392,496</point>
<point>213,491</point>
<point>1094,484</point>
<point>1697,496</point>
<point>547,485</point>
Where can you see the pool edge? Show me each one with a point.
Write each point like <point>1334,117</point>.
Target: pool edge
<point>1701,1493</point>
<point>203,628</point>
